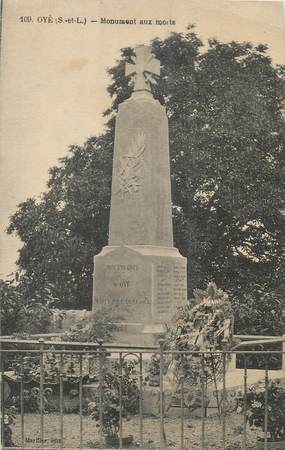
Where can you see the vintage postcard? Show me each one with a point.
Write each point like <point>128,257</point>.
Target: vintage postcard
<point>142,223</point>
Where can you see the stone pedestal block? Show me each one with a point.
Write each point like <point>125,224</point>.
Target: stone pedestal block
<point>141,285</point>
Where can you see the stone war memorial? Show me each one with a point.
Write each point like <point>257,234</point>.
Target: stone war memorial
<point>139,275</point>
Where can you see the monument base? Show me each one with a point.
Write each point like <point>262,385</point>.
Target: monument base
<point>138,334</point>
<point>140,286</point>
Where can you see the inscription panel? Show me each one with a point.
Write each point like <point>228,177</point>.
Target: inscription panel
<point>163,289</point>
<point>122,283</point>
<point>169,289</point>
<point>179,283</point>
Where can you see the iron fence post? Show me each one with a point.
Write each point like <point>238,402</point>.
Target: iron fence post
<point>266,406</point>
<point>141,398</point>
<point>61,398</point>
<point>101,355</point>
<point>245,405</point>
<point>22,403</point>
<point>224,401</point>
<point>2,410</point>
<point>161,397</point>
<point>120,400</point>
<point>41,342</point>
<point>203,401</point>
<point>182,413</point>
<point>80,400</point>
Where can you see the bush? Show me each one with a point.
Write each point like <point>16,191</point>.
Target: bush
<point>276,409</point>
<point>21,314</point>
<point>101,325</point>
<point>11,308</point>
<point>27,368</point>
<point>8,421</point>
<point>111,397</point>
<point>259,311</point>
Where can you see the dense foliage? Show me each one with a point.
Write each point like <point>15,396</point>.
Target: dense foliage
<point>256,401</point>
<point>255,312</point>
<point>203,322</point>
<point>121,378</point>
<point>68,226</point>
<point>23,314</point>
<point>204,325</point>
<point>226,143</point>
<point>102,325</point>
<point>8,421</point>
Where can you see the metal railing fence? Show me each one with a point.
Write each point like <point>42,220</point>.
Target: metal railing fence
<point>80,361</point>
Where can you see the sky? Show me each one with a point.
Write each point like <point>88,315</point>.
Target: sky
<point>54,80</point>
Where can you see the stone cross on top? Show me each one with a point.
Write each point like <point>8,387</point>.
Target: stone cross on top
<point>145,64</point>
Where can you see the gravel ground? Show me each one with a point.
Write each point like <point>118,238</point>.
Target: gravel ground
<point>192,432</point>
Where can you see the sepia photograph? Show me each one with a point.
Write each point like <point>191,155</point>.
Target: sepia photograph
<point>142,263</point>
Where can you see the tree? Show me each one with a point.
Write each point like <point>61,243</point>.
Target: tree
<point>68,225</point>
<point>22,314</point>
<point>260,312</point>
<point>226,141</point>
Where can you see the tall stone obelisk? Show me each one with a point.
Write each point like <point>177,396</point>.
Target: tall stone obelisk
<point>140,275</point>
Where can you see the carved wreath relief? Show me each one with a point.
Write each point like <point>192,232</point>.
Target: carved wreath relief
<point>130,170</point>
